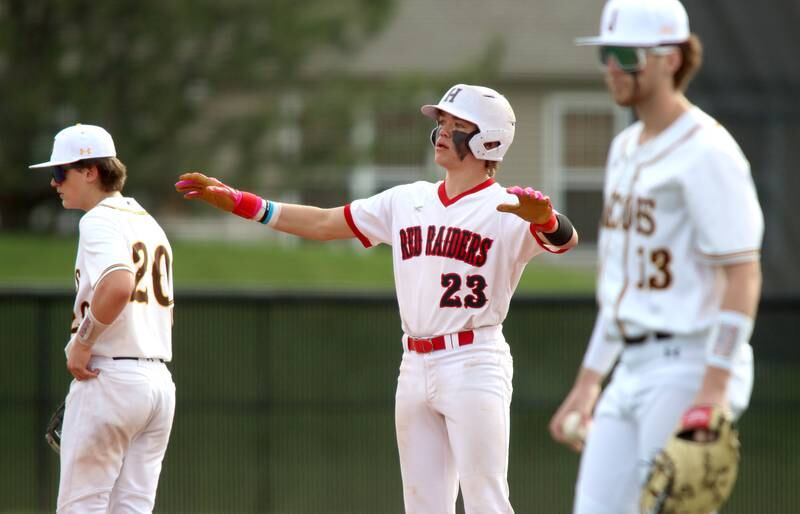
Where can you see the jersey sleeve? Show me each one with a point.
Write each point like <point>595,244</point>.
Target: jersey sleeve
<point>723,206</point>
<point>370,219</point>
<point>103,247</point>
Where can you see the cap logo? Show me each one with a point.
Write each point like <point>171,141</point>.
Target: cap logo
<point>86,151</point>
<point>612,23</point>
<point>451,95</point>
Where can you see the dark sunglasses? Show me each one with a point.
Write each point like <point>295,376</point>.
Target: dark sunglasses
<point>59,173</point>
<point>629,58</point>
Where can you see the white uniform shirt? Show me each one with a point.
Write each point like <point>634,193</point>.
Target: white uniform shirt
<point>675,209</point>
<point>456,260</point>
<point>118,234</point>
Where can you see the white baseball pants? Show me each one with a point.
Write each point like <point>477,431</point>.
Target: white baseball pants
<point>651,388</point>
<point>452,420</point>
<point>115,434</point>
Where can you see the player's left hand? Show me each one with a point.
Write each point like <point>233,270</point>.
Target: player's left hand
<point>711,397</point>
<point>78,361</point>
<point>699,432</point>
<point>713,390</point>
<point>707,396</point>
<point>533,206</point>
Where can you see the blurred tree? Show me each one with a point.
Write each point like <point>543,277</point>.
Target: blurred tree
<point>170,79</point>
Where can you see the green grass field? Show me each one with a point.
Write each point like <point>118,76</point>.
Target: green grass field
<point>37,261</point>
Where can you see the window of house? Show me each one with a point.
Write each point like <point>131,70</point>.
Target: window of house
<point>397,146</point>
<point>401,137</point>
<point>578,129</point>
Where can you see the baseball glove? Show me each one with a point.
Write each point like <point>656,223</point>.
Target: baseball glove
<point>53,433</point>
<point>696,471</point>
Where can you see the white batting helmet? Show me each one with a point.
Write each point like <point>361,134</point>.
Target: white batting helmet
<point>641,23</point>
<point>487,109</point>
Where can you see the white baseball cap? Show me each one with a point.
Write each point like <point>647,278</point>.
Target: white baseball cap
<point>641,23</point>
<point>484,107</point>
<point>79,142</point>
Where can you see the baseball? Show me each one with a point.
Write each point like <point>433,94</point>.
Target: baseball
<point>572,427</point>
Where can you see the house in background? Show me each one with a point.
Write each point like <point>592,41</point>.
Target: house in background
<point>750,82</point>
<point>565,119</point>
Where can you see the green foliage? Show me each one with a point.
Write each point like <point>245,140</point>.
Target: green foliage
<point>41,261</point>
<point>157,74</point>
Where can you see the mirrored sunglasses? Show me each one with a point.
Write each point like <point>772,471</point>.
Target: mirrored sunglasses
<point>629,58</point>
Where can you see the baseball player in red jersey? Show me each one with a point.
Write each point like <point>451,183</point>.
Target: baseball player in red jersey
<point>120,406</point>
<point>679,275</point>
<point>457,261</point>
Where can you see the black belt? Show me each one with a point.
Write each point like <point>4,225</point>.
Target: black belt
<point>659,336</point>
<point>137,359</point>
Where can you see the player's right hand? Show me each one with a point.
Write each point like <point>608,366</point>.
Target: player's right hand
<point>196,186</point>
<point>580,399</point>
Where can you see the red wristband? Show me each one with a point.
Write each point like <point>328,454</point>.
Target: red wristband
<point>547,227</point>
<point>249,206</point>
<point>697,417</point>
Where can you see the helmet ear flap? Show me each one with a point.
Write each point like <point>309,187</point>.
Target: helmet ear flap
<point>499,140</point>
<point>434,135</point>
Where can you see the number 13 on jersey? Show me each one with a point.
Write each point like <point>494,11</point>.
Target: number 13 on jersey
<point>654,268</point>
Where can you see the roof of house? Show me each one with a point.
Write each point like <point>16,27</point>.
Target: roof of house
<point>748,43</point>
<point>535,37</point>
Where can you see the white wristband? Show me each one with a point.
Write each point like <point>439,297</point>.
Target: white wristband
<point>733,330</point>
<point>276,213</point>
<point>89,329</point>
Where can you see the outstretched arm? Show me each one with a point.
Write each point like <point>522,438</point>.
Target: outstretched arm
<point>301,220</point>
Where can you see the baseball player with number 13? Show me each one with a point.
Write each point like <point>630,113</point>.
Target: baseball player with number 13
<point>679,274</point>
<point>457,261</point>
<point>119,408</point>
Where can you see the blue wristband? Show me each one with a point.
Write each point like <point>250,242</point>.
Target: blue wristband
<point>267,213</point>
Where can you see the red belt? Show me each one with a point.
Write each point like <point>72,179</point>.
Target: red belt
<point>437,343</point>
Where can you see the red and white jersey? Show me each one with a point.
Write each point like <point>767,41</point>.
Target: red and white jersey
<point>118,234</point>
<point>456,260</point>
<point>676,208</point>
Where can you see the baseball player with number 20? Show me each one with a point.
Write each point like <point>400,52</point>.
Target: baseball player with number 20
<point>679,275</point>
<point>119,408</point>
<point>457,261</point>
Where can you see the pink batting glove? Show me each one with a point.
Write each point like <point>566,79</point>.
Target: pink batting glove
<point>533,207</point>
<point>196,186</point>
<point>528,191</point>
<point>194,189</point>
